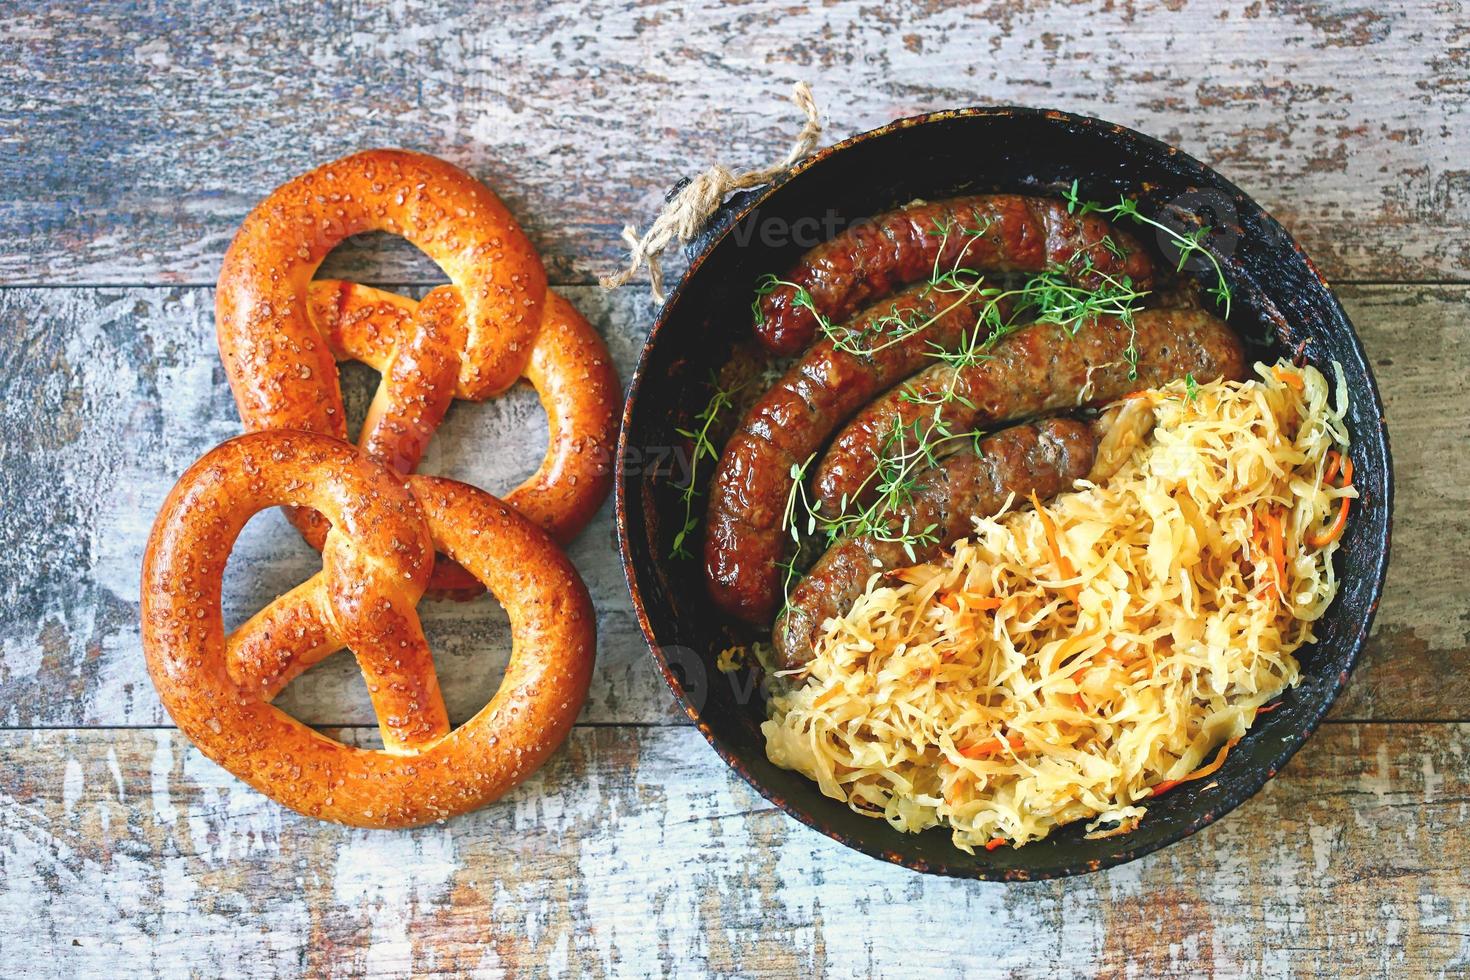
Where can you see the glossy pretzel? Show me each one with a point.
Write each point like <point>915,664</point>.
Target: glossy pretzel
<point>375,565</point>
<point>280,332</point>
<point>413,345</point>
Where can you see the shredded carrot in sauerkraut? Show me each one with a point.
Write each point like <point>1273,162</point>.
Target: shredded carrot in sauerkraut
<point>1064,662</point>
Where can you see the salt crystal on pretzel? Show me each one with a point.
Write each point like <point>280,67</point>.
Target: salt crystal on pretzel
<point>375,566</point>
<point>281,332</point>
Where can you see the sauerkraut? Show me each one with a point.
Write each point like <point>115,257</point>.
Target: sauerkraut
<point>1072,661</point>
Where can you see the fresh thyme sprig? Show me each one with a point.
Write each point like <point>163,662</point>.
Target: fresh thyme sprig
<point>704,448</point>
<point>1189,244</point>
<point>896,485</point>
<point>910,448</point>
<point>881,332</point>
<point>801,298</point>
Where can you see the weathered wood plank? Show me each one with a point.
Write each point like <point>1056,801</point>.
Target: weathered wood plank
<point>130,847</point>
<point>1417,664</point>
<point>106,395</point>
<point>134,137</point>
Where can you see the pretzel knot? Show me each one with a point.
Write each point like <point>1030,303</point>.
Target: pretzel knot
<point>281,332</point>
<point>376,561</point>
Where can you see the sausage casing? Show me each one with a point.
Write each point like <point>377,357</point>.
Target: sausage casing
<point>1043,458</point>
<point>1038,369</point>
<point>794,419</point>
<point>985,232</point>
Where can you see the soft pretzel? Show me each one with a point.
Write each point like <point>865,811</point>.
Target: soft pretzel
<point>280,332</point>
<point>261,310</point>
<point>569,367</point>
<point>375,565</point>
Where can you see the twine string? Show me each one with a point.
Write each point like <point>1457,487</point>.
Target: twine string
<point>689,209</point>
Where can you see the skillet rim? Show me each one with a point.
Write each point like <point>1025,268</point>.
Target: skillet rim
<point>1261,771</point>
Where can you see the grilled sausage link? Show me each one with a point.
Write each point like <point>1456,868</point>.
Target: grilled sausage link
<point>1043,458</point>
<point>1038,369</point>
<point>879,347</point>
<point>986,232</point>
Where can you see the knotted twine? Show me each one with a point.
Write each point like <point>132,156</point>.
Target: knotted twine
<point>692,206</point>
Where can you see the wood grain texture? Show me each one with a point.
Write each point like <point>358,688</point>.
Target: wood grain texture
<point>130,847</point>
<point>135,136</point>
<point>1417,665</point>
<point>106,395</point>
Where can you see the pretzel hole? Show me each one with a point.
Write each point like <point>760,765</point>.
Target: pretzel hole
<point>363,257</point>
<point>331,694</point>
<point>471,643</point>
<point>332,698</point>
<point>496,444</point>
<point>268,553</point>
<point>359,382</point>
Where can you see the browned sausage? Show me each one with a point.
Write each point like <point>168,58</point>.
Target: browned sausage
<point>1041,368</point>
<point>743,540</point>
<point>875,257</point>
<point>1043,458</point>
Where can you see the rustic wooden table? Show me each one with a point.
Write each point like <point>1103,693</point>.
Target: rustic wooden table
<point>134,137</point>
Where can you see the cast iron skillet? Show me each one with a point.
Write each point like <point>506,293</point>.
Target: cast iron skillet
<point>1280,303</point>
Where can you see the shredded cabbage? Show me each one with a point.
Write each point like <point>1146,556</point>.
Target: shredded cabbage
<point>1008,690</point>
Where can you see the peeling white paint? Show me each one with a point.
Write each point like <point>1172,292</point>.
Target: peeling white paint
<point>117,778</point>
<point>163,763</point>
<point>647,855</point>
<point>383,878</point>
<point>684,870</point>
<point>71,787</point>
